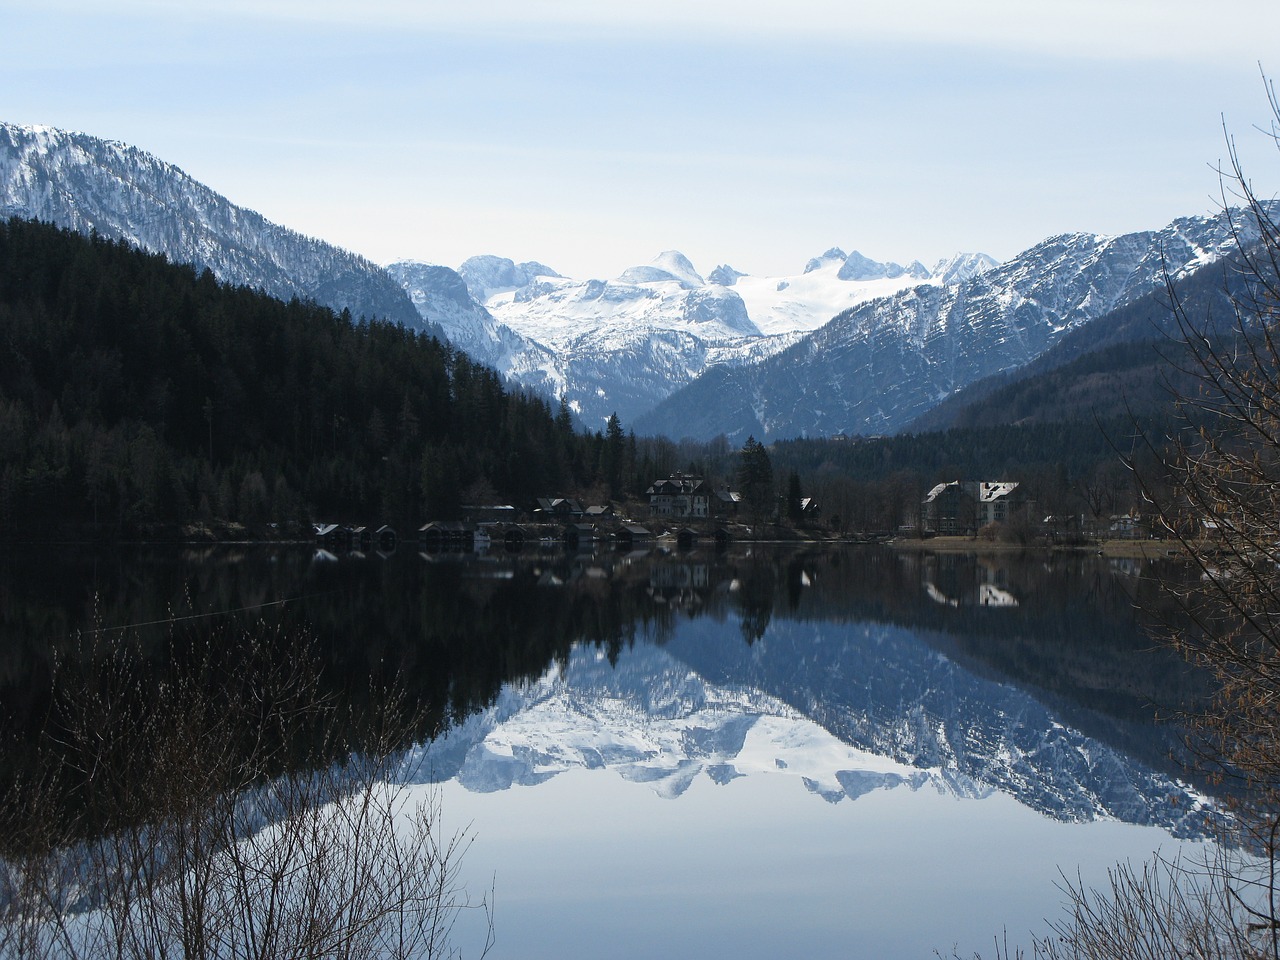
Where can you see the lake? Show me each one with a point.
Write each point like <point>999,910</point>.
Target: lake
<point>757,752</point>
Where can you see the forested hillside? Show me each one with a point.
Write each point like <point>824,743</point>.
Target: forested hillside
<point>134,392</point>
<point>1127,362</point>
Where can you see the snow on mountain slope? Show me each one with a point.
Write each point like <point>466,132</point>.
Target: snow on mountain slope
<point>487,275</point>
<point>622,345</point>
<point>607,347</point>
<point>830,286</point>
<point>880,364</point>
<point>84,183</point>
<point>667,266</point>
<point>441,297</point>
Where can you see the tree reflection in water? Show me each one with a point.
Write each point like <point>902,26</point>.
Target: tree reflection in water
<point>451,630</point>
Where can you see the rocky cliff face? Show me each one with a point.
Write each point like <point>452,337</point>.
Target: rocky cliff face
<point>84,183</point>
<point>443,299</point>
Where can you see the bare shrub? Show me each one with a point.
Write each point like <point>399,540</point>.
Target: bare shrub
<point>214,808</point>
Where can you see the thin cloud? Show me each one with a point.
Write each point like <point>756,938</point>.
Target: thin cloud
<point>1104,29</point>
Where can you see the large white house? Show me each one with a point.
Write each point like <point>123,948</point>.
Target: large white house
<point>965,506</point>
<point>680,496</point>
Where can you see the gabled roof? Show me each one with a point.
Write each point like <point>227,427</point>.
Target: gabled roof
<point>937,491</point>
<point>986,491</point>
<point>989,491</point>
<point>677,484</point>
<point>444,526</point>
<point>558,505</point>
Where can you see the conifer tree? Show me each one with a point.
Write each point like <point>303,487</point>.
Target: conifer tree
<point>755,480</point>
<point>795,498</point>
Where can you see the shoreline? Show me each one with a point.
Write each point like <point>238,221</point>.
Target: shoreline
<point>1123,549</point>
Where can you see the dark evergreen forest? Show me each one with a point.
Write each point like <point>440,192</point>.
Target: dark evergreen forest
<point>137,395</point>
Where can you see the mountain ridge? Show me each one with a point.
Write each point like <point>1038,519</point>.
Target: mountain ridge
<point>849,345</point>
<point>879,366</point>
<point>122,192</point>
<point>621,345</point>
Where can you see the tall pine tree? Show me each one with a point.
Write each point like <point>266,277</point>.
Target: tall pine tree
<point>755,480</point>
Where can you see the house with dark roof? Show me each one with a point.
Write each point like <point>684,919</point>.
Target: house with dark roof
<point>560,508</point>
<point>725,502</point>
<point>680,496</point>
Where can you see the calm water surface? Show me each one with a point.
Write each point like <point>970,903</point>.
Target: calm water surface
<point>759,753</point>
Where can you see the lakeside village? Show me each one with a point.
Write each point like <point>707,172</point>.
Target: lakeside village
<point>682,511</point>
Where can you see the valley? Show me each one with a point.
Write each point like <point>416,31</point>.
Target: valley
<point>868,381</point>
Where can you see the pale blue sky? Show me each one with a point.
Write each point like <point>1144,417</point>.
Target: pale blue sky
<point>592,136</point>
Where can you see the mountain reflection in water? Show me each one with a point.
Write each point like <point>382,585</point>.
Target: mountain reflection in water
<point>843,707</point>
<point>1031,676</point>
<point>848,676</point>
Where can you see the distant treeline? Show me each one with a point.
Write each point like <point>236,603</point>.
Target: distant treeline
<point>875,485</point>
<point>136,392</point>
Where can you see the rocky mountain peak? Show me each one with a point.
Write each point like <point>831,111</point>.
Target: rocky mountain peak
<point>858,267</point>
<point>666,266</point>
<point>486,275</point>
<point>724,275</point>
<point>831,255</point>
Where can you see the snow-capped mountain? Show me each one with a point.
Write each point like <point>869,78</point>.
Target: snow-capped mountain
<point>671,350</point>
<point>488,275</point>
<point>836,281</point>
<point>622,345</point>
<point>84,183</point>
<point>877,366</point>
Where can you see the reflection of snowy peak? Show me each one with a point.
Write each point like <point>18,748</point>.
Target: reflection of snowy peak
<point>885,690</point>
<point>652,721</point>
<point>622,345</point>
<point>707,704</point>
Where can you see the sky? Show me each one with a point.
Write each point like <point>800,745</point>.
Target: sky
<point>592,136</point>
